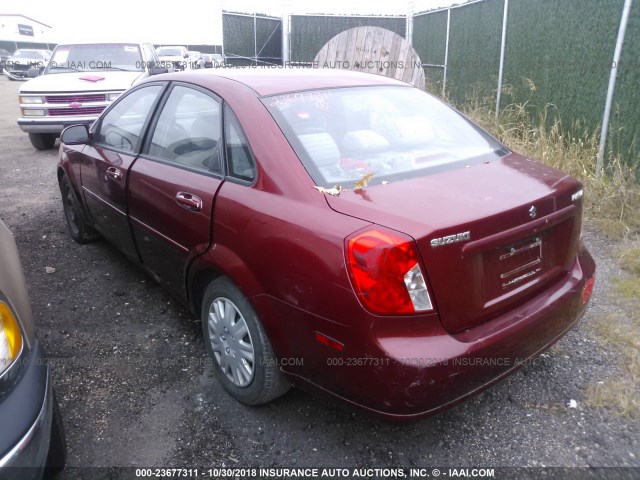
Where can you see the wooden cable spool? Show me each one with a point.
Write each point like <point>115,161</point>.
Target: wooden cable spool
<point>373,50</point>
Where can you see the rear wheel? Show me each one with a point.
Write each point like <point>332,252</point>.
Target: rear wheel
<point>57,456</point>
<point>243,358</point>
<point>42,141</point>
<point>78,227</point>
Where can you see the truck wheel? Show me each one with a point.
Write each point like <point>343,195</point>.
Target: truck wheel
<point>42,141</point>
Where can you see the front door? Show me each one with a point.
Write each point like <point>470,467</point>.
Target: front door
<point>106,162</point>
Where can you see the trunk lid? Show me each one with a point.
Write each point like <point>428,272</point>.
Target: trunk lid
<point>490,235</point>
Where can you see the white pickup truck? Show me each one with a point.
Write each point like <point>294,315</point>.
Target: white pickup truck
<point>79,82</point>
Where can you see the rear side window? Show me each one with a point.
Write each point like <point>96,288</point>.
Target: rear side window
<point>188,130</point>
<point>121,126</point>
<point>381,133</point>
<point>240,163</point>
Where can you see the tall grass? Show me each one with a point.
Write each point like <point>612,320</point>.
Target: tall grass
<point>612,206</point>
<point>612,200</point>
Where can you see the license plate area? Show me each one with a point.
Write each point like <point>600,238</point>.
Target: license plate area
<point>519,261</point>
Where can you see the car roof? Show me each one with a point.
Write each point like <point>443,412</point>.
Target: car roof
<point>274,81</point>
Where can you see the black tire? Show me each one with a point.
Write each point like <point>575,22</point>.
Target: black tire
<point>78,227</point>
<point>57,455</point>
<point>267,382</point>
<point>42,141</point>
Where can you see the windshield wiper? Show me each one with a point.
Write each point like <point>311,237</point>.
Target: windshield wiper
<point>62,67</point>
<point>118,69</point>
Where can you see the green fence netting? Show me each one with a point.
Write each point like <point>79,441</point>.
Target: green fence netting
<point>309,33</point>
<point>558,60</point>
<point>250,41</point>
<point>429,40</point>
<point>474,50</point>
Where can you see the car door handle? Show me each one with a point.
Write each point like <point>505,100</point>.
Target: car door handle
<point>189,201</point>
<point>114,173</point>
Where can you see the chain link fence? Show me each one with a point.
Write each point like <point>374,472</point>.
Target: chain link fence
<point>557,60</point>
<point>252,39</point>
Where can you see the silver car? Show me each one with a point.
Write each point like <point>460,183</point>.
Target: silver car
<point>24,60</point>
<point>32,443</point>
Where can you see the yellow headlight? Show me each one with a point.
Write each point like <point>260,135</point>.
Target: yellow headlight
<point>10,337</point>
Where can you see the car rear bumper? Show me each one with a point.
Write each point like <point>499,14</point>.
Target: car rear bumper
<point>414,368</point>
<point>52,125</point>
<point>26,415</point>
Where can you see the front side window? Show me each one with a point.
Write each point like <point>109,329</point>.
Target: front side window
<point>121,127</point>
<point>188,130</point>
<point>381,133</point>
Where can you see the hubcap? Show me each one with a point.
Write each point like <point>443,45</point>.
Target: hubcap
<point>231,342</point>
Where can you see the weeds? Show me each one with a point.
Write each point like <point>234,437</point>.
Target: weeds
<point>620,394</point>
<point>612,200</point>
<point>630,259</point>
<point>628,288</point>
<point>612,206</point>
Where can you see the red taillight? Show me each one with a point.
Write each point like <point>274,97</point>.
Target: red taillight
<point>588,289</point>
<point>385,270</point>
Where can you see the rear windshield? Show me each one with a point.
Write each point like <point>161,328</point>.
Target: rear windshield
<point>96,57</point>
<point>393,132</point>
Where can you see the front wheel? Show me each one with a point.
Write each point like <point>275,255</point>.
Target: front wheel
<point>42,141</point>
<point>244,362</point>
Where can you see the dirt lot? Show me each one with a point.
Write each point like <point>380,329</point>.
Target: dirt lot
<point>136,388</point>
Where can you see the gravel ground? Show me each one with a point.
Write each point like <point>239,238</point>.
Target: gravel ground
<point>136,389</point>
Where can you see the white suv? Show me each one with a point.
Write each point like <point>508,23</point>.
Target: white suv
<point>80,81</point>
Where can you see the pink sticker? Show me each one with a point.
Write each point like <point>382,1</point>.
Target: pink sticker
<point>92,78</point>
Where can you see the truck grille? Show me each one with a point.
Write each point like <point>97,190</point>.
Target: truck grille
<point>101,97</point>
<point>76,111</point>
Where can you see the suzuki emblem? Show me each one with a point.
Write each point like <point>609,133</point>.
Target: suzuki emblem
<point>533,211</point>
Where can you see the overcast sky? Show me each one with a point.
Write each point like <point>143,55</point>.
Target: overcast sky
<point>183,21</point>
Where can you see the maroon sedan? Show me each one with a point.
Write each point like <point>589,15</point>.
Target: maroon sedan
<point>334,230</point>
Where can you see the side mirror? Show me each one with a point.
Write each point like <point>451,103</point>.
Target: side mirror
<point>155,70</point>
<point>75,135</point>
<point>186,55</point>
<point>34,72</point>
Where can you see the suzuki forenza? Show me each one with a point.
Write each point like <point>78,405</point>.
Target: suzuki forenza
<point>332,226</point>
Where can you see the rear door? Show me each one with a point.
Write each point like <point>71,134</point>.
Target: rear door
<point>106,162</point>
<point>172,186</point>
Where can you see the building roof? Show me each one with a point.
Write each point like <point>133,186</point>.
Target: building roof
<point>24,16</point>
